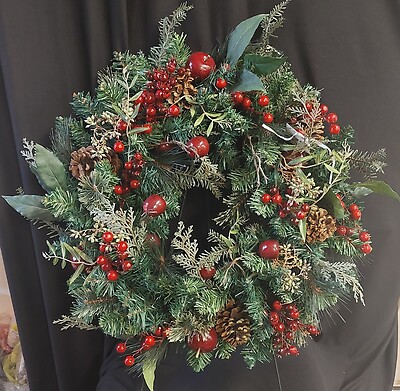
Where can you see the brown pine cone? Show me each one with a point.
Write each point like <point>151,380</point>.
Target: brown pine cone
<point>320,225</point>
<point>182,90</point>
<point>82,163</point>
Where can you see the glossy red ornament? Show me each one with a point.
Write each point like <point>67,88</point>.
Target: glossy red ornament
<point>207,272</point>
<point>204,344</point>
<point>154,205</point>
<point>201,65</point>
<point>121,348</point>
<point>200,145</point>
<point>269,249</point>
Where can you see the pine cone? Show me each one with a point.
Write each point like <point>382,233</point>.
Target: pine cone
<point>320,225</point>
<point>82,163</point>
<point>182,89</point>
<point>115,161</point>
<point>233,324</point>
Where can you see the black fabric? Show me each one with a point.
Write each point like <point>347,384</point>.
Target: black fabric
<point>50,49</point>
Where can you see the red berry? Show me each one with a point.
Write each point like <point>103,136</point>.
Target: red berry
<point>128,165</point>
<point>273,190</point>
<point>305,207</point>
<point>277,199</point>
<point>294,314</point>
<point>300,215</point>
<point>138,156</point>
<point>265,198</point>
<point>350,231</point>
<point>289,335</point>
<point>134,184</point>
<point>126,266</point>
<point>324,109</point>
<point>341,230</point>
<point>159,331</point>
<point>204,344</point>
<point>200,64</point>
<point>102,248</point>
<point>293,325</point>
<point>312,330</point>
<point>207,272</point>
<point>246,103</point>
<point>221,83</point>
<point>356,215</point>
<point>149,341</point>
<point>122,126</point>
<point>107,237</point>
<point>269,249</point>
<point>152,240</point>
<point>106,267</point>
<point>151,111</point>
<point>277,305</point>
<point>279,327</point>
<point>101,260</point>
<point>331,118</point>
<point>263,100</point>
<point>122,246</point>
<point>129,361</point>
<point>112,275</point>
<point>353,207</point>
<point>174,111</point>
<point>293,351</point>
<point>139,100</point>
<point>149,98</point>
<point>200,145</point>
<point>273,318</point>
<point>334,129</point>
<point>268,118</point>
<point>364,236</point>
<point>119,146</point>
<point>121,348</point>
<point>366,248</point>
<point>282,214</point>
<point>154,205</point>
<point>309,106</point>
<point>118,189</point>
<point>238,98</point>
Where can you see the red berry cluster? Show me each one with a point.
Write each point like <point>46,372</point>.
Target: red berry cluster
<point>286,208</point>
<point>284,318</point>
<point>130,175</point>
<point>116,266</point>
<point>158,90</point>
<point>244,102</point>
<point>148,342</point>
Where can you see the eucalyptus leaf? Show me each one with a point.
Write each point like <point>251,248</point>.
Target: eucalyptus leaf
<point>49,170</point>
<point>199,120</point>
<point>210,128</point>
<point>241,37</point>
<point>149,375</point>
<point>378,187</point>
<point>263,65</point>
<point>334,202</point>
<point>76,274</point>
<point>248,82</point>
<point>30,206</point>
<point>303,229</point>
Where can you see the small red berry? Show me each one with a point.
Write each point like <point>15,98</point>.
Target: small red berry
<point>159,331</point>
<point>341,230</point>
<point>364,236</point>
<point>221,83</point>
<point>107,237</point>
<point>106,267</point>
<point>102,248</point>
<point>129,361</point>
<point>305,207</point>
<point>128,165</point>
<point>353,207</point>
<point>324,109</point>
<point>331,118</point>
<point>174,111</point>
<point>293,351</point>
<point>126,266</point>
<point>312,330</point>
<point>282,214</point>
<point>154,205</point>
<point>134,184</point>
<point>118,189</point>
<point>263,100</point>
<point>207,272</point>
<point>300,215</point>
<point>277,305</point>
<point>273,318</point>
<point>122,126</point>
<point>279,327</point>
<point>366,248</point>
<point>112,275</point>
<point>356,215</point>
<point>273,190</point>
<point>289,335</point>
<point>151,111</point>
<point>138,156</point>
<point>119,146</point>
<point>350,231</point>
<point>149,341</point>
<point>101,260</point>
<point>246,103</point>
<point>199,144</point>
<point>121,348</point>
<point>277,199</point>
<point>122,246</point>
<point>309,106</point>
<point>265,198</point>
<point>268,118</point>
<point>293,325</point>
<point>294,314</point>
<point>238,98</point>
<point>334,129</point>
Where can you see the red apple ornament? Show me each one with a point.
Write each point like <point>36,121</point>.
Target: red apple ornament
<point>269,249</point>
<point>201,65</point>
<point>200,145</point>
<point>154,205</point>
<point>204,344</point>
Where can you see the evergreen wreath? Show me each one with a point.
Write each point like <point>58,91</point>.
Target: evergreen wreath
<point>238,123</point>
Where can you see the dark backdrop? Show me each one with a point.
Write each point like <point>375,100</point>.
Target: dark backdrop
<point>50,48</point>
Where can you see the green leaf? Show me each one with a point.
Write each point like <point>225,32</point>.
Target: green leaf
<point>248,82</point>
<point>199,120</point>
<point>149,375</point>
<point>263,65</point>
<point>49,170</point>
<point>30,206</point>
<point>241,37</point>
<point>76,252</point>
<point>378,187</point>
<point>210,128</point>
<point>76,274</point>
<point>337,207</point>
<point>359,192</point>
<point>303,229</point>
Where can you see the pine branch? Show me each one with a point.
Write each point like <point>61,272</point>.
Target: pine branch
<point>73,321</point>
<point>368,163</point>
<point>28,152</point>
<point>60,138</point>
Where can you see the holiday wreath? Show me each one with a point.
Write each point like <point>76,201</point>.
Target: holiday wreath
<point>238,123</point>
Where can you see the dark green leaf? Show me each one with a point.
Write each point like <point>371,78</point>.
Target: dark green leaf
<point>49,170</point>
<point>248,82</point>
<point>334,202</point>
<point>30,206</point>
<point>378,187</point>
<point>241,37</point>
<point>263,65</point>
